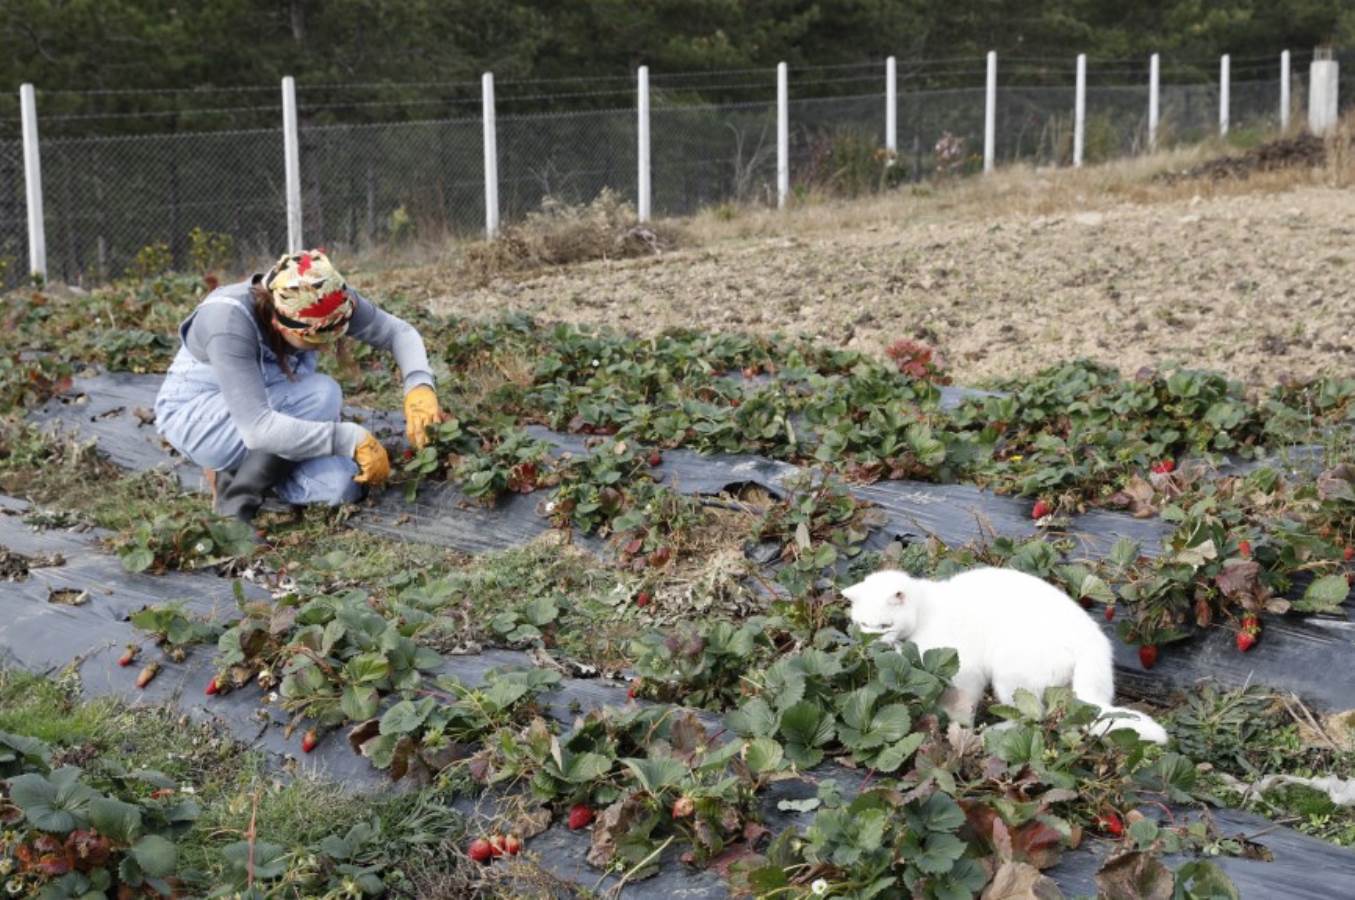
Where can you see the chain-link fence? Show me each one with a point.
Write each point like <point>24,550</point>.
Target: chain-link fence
<point>108,198</point>
<point>13,216</point>
<point>365,184</point>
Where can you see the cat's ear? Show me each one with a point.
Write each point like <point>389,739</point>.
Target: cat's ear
<point>852,593</point>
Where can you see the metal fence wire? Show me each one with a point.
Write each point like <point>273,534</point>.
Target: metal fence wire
<point>13,213</point>
<point>107,199</point>
<point>364,185</point>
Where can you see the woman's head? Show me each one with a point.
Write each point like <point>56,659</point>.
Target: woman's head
<point>310,303</point>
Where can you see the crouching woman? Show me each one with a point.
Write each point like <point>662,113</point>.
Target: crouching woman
<point>243,399</point>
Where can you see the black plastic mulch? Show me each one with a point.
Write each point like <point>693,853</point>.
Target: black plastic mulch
<point>1306,655</point>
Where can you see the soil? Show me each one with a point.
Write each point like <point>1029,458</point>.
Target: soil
<point>1258,286</point>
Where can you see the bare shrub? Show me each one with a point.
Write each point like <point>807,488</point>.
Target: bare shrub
<point>560,234</point>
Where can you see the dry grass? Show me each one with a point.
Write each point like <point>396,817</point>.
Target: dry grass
<point>489,372</point>
<point>559,235</point>
<point>1025,190</point>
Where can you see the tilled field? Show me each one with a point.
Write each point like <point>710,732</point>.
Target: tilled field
<point>1257,285</point>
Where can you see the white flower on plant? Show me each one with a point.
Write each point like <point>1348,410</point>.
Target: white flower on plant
<point>819,887</point>
<point>272,696</point>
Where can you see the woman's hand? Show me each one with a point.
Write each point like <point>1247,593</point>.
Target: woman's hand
<point>374,466</point>
<point>421,411</point>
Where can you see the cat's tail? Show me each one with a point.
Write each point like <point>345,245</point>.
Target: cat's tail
<point>1113,717</point>
<point>1094,683</point>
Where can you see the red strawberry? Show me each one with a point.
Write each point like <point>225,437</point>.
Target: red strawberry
<point>1244,548</point>
<point>309,740</point>
<point>642,599</point>
<point>213,688</point>
<point>683,806</point>
<point>147,674</point>
<point>1250,633</point>
<point>480,851</point>
<point>580,814</point>
<point>634,690</point>
<point>1110,613</point>
<point>162,793</point>
<point>1042,509</point>
<point>496,845</point>
<point>1111,824</point>
<point>655,457</point>
<point>128,655</point>
<point>1148,655</point>
<point>512,845</point>
<point>1164,467</point>
<point>1348,553</point>
<point>409,453</point>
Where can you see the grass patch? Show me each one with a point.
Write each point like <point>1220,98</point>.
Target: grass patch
<point>1244,735</point>
<point>418,832</point>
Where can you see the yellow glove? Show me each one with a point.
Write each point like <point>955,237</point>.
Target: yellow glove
<point>374,466</point>
<point>421,411</point>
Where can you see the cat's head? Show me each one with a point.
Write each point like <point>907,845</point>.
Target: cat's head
<point>885,603</point>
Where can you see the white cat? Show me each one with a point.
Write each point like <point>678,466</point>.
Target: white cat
<point>1011,630</point>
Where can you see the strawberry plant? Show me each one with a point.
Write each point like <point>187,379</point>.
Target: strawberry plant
<point>67,838</point>
<point>917,360</point>
<point>19,754</point>
<point>706,664</point>
<point>968,807</point>
<point>173,630</point>
<point>656,523</point>
<point>511,461</point>
<point>819,526</point>
<point>529,622</point>
<point>342,657</point>
<point>854,700</point>
<point>182,542</point>
<point>445,721</point>
<point>252,647</point>
<point>642,778</point>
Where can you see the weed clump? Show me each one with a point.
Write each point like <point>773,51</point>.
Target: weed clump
<point>559,234</point>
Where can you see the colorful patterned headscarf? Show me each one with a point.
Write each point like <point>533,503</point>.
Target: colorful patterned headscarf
<point>310,296</point>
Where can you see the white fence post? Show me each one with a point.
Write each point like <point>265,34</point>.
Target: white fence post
<point>37,238</point>
<point>1223,95</point>
<point>891,111</point>
<point>1324,80</point>
<point>990,113</point>
<point>1284,91</point>
<point>491,157</point>
<point>642,151</point>
<point>291,152</point>
<point>1080,110</point>
<point>782,136</point>
<point>1154,71</point>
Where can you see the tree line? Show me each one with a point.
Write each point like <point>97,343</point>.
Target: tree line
<point>115,45</point>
